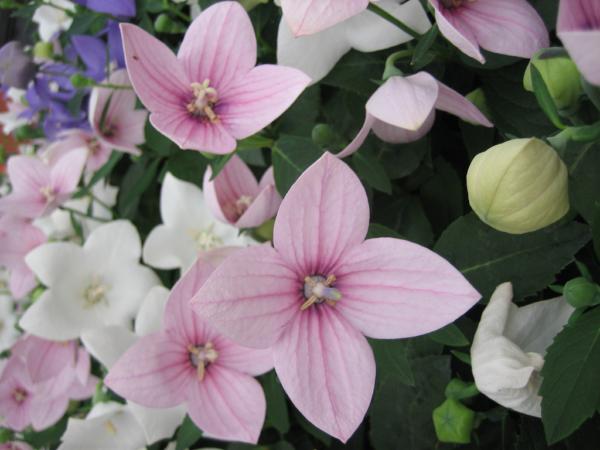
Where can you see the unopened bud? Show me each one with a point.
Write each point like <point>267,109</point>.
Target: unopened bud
<point>453,422</point>
<point>518,186</point>
<point>43,50</point>
<point>579,293</point>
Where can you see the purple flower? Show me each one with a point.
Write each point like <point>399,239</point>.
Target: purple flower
<point>120,8</point>
<point>16,67</point>
<point>92,52</point>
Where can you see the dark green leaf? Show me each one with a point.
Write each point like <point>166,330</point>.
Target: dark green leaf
<point>424,44</point>
<point>187,434</point>
<point>277,411</point>
<point>458,389</point>
<point>487,257</point>
<point>355,72</point>
<point>159,143</point>
<point>369,169</point>
<point>291,156</point>
<point>136,181</point>
<point>48,437</point>
<point>450,335</point>
<point>584,183</point>
<point>376,231</point>
<point>570,390</point>
<point>393,360</point>
<point>103,172</point>
<point>218,163</point>
<point>301,117</point>
<point>188,166</point>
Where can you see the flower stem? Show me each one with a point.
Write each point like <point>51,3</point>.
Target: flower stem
<point>82,214</point>
<point>387,16</point>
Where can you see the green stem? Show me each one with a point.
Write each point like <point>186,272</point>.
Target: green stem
<point>113,86</point>
<point>181,15</point>
<point>100,202</point>
<point>387,16</point>
<point>82,214</point>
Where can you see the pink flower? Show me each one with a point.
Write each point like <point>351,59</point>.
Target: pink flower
<point>578,28</point>
<point>236,198</point>
<point>17,238</point>
<point>403,110</point>
<point>507,27</point>
<point>39,379</point>
<point>39,187</point>
<point>114,119</point>
<point>210,94</point>
<point>15,446</point>
<point>311,16</point>
<point>322,287</point>
<point>188,362</point>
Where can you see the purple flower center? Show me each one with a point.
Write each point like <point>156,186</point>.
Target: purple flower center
<point>20,395</point>
<point>201,356</point>
<point>205,99</point>
<point>454,4</point>
<point>318,290</point>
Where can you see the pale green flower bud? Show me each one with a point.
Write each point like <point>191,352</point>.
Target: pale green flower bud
<point>43,50</point>
<point>518,186</point>
<point>560,75</point>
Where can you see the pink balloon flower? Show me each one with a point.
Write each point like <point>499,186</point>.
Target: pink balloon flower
<point>507,27</point>
<point>311,16</point>
<point>403,110</point>
<point>17,238</point>
<point>578,28</point>
<point>210,94</point>
<point>314,296</point>
<point>188,362</point>
<point>40,187</point>
<point>235,197</point>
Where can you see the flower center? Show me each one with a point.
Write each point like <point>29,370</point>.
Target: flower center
<point>201,356</point>
<point>238,207</point>
<point>453,4</point>
<point>48,194</point>
<point>94,293</point>
<point>110,427</point>
<point>20,395</point>
<point>205,239</point>
<point>318,289</point>
<point>205,99</point>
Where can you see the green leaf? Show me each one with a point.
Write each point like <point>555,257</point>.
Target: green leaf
<point>401,160</point>
<point>584,183</point>
<point>570,390</point>
<point>461,356</point>
<point>188,166</point>
<point>135,182</point>
<point>400,415</point>
<point>277,411</point>
<point>376,231</point>
<point>487,257</point>
<point>453,422</point>
<point>355,72</point>
<point>218,163</point>
<point>450,335</point>
<point>393,360</point>
<point>300,118</point>
<point>291,156</point>
<point>369,169</point>
<point>424,44</point>
<point>165,24</point>
<point>159,143</point>
<point>542,94</point>
<point>103,172</point>
<point>458,389</point>
<point>187,434</point>
<point>48,437</point>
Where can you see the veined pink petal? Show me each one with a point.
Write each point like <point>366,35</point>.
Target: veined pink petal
<point>394,135</point>
<point>395,289</point>
<point>257,99</point>
<point>179,319</point>
<point>583,48</point>
<point>405,102</point>
<point>312,16</point>
<point>234,181</point>
<point>452,102</point>
<point>22,281</point>
<point>65,174</point>
<point>522,29</point>
<point>156,75</point>
<point>228,405</point>
<point>47,411</point>
<point>267,179</point>
<point>219,46</point>
<point>261,297</point>
<point>194,134</point>
<point>155,372</point>
<point>324,213</point>
<point>243,359</point>
<point>578,15</point>
<point>27,174</point>
<point>264,206</point>
<point>327,369</point>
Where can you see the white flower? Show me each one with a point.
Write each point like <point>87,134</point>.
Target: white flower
<point>99,284</point>
<point>316,54</point>
<point>188,228</point>
<point>10,119</point>
<point>52,17</point>
<point>58,225</point>
<point>109,343</point>
<point>508,349</point>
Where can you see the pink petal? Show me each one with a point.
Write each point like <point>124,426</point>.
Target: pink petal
<point>250,297</point>
<point>157,77</point>
<point>234,181</point>
<point>194,134</point>
<point>452,102</point>
<point>67,171</point>
<point>219,46</point>
<point>243,359</point>
<point>327,369</point>
<point>228,405</point>
<point>311,16</point>
<point>405,102</point>
<point>393,289</point>
<point>261,96</point>
<point>578,15</point>
<point>264,207</point>
<point>360,138</point>
<point>394,135</point>
<point>583,49</point>
<point>179,320</point>
<point>267,179</point>
<point>22,281</point>
<point>522,29</point>
<point>456,31</point>
<point>324,213</point>
<point>28,175</point>
<point>155,372</point>
<point>47,411</point>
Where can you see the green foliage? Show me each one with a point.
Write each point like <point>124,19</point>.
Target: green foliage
<point>291,156</point>
<point>187,434</point>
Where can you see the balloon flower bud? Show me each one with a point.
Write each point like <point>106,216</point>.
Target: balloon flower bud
<point>560,75</point>
<point>581,293</point>
<point>453,422</point>
<point>43,50</point>
<point>518,186</point>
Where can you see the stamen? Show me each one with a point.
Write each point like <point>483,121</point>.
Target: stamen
<point>235,209</point>
<point>110,427</point>
<point>317,290</point>
<point>48,193</point>
<point>201,356</point>
<point>20,395</point>
<point>205,98</point>
<point>205,239</point>
<point>94,293</point>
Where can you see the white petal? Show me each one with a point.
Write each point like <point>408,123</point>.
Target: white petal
<point>107,344</point>
<point>158,423</point>
<point>113,243</point>
<point>182,204</point>
<point>150,315</point>
<point>51,261</point>
<point>167,247</point>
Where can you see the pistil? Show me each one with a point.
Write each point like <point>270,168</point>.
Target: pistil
<point>205,99</point>
<point>201,356</point>
<point>20,395</point>
<point>48,194</point>
<point>205,239</point>
<point>94,293</point>
<point>238,207</point>
<point>318,289</point>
